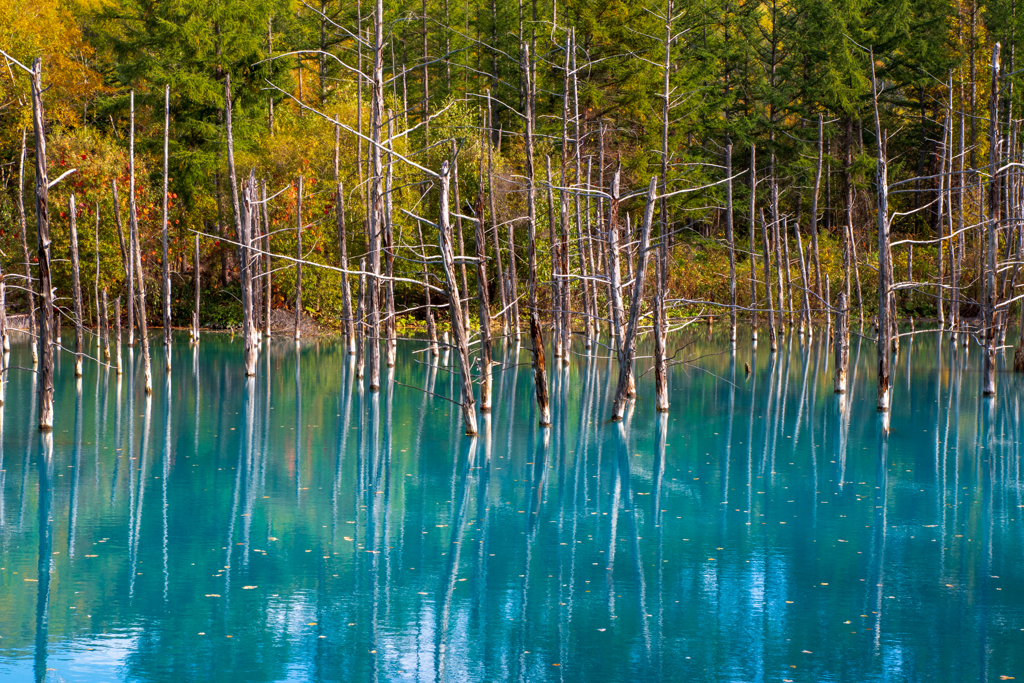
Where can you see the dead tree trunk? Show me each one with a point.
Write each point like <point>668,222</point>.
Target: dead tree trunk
<point>135,254</point>
<point>360,315</point>
<point>267,274</point>
<point>76,285</point>
<point>814,206</point>
<point>197,281</point>
<point>484,311</point>
<point>805,315</point>
<point>615,277</point>
<point>105,328</point>
<point>540,379</point>
<point>841,345</point>
<point>375,211</point>
<point>503,292</point>
<point>773,342</point>
<point>459,333</point>
<point>250,341</point>
<point>298,262</point>
<point>753,245</point>
<point>45,327</point>
<point>884,261</point>
<point>339,209</point>
<point>732,242</point>
<point>628,351</point>
<point>96,281</point>
<point>143,327</point>
<point>165,266</point>
<point>22,224</point>
<point>117,334</point>
<point>988,380</point>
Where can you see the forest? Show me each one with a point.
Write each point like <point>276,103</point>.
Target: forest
<point>363,163</point>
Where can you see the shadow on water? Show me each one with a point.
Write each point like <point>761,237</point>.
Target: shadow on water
<point>296,526</point>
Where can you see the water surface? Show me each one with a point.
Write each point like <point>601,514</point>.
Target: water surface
<point>296,527</point>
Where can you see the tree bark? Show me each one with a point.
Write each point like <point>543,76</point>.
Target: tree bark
<point>753,246</point>
<point>165,268</point>
<point>988,380</point>
<point>298,261</point>
<point>628,351</point>
<point>539,373</point>
<point>23,233</point>
<point>459,336</point>
<point>45,327</point>
<point>76,284</point>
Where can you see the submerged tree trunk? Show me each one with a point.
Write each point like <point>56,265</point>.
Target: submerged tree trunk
<point>23,232</point>
<point>841,345</point>
<point>250,340</point>
<point>76,284</point>
<point>298,262</point>
<point>540,379</point>
<point>773,342</point>
<point>45,327</point>
<point>732,241</point>
<point>165,269</point>
<point>197,278</point>
<point>459,332</point>
<point>753,246</point>
<point>339,215</point>
<point>627,352</point>
<point>988,379</point>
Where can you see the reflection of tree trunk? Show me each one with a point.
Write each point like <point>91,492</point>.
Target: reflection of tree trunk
<point>45,556</point>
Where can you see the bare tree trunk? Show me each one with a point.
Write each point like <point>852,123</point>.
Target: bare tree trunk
<point>375,210</point>
<point>484,309</point>
<point>29,287</point>
<point>76,284</point>
<point>805,314</point>
<point>753,245</point>
<point>267,290</point>
<point>459,333</point>
<point>250,340</point>
<point>988,381</point>
<point>628,351</point>
<point>502,284</point>
<point>885,326</point>
<point>539,374</point>
<point>615,278</point>
<point>458,229</point>
<point>814,205</point>
<point>388,246</point>
<point>339,214</point>
<point>556,262</point>
<point>841,344</point>
<point>197,282</point>
<point>117,328</point>
<point>165,270</point>
<point>360,323</point>
<point>96,280</point>
<point>732,242</point>
<point>773,342</point>
<point>105,328</point>
<point>133,239</point>
<point>298,261</point>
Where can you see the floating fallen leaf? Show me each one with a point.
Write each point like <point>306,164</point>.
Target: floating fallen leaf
<point>92,555</point>
<point>602,629</point>
<point>312,623</point>
<point>212,595</point>
<point>248,588</point>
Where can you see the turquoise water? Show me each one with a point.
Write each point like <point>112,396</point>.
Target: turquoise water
<point>295,527</point>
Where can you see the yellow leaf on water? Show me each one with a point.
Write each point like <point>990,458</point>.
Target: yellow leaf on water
<point>248,588</point>
<point>212,595</point>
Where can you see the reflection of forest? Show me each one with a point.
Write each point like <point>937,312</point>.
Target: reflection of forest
<point>296,525</point>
